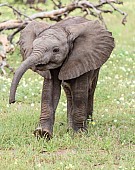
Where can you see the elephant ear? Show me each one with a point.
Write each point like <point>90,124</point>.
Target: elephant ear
<point>28,35</point>
<point>92,45</point>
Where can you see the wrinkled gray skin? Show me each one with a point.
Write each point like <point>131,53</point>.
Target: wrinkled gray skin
<point>70,53</point>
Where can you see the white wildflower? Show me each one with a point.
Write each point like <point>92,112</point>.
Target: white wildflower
<point>25,97</point>
<point>7,105</point>
<point>4,90</point>
<point>32,104</point>
<point>39,165</point>
<point>126,52</point>
<point>121,99</point>
<point>29,79</point>
<point>117,102</point>
<point>15,162</point>
<point>116,76</point>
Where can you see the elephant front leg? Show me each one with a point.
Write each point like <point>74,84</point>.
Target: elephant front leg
<point>45,128</point>
<point>50,97</point>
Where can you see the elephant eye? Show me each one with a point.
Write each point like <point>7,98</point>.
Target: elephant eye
<point>56,50</point>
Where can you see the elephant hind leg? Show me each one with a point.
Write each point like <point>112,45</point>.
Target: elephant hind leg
<point>79,88</point>
<point>67,90</point>
<point>91,95</point>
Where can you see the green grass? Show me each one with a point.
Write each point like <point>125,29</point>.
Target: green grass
<point>110,142</point>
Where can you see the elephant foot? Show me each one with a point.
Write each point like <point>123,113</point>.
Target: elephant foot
<point>80,129</point>
<point>83,130</point>
<point>42,133</point>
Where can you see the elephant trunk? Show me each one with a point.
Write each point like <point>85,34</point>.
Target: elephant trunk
<point>26,64</point>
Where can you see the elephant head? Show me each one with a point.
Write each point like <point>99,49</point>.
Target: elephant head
<point>76,45</point>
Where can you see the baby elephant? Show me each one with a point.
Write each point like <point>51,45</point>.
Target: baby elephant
<point>68,53</point>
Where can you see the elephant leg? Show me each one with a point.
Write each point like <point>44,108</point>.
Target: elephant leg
<point>67,90</point>
<point>79,88</point>
<point>92,88</point>
<point>56,89</point>
<point>50,98</point>
<point>45,128</point>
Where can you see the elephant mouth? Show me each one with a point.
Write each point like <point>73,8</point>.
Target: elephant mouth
<point>40,67</point>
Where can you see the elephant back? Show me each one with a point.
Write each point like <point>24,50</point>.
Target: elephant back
<point>71,21</point>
